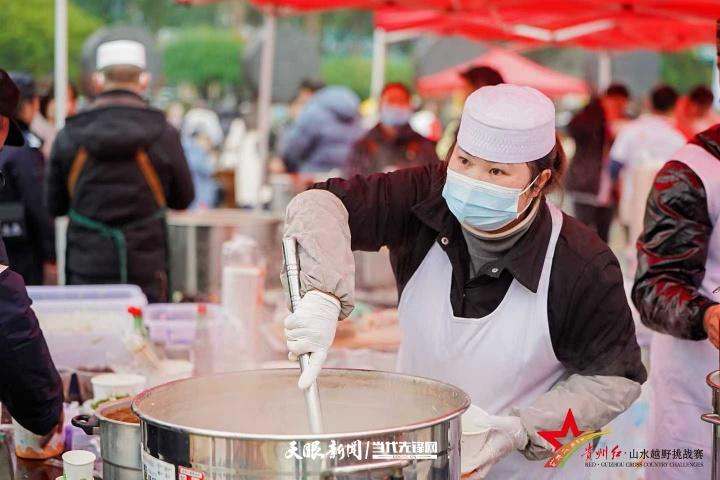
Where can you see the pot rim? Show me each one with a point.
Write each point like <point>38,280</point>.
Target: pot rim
<point>307,436</point>
<point>115,405</point>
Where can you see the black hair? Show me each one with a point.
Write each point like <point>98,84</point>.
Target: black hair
<point>482,76</point>
<point>701,96</point>
<point>617,90</point>
<point>556,162</point>
<point>310,84</point>
<point>663,98</point>
<point>50,96</point>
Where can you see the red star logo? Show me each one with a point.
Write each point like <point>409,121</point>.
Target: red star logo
<point>569,425</point>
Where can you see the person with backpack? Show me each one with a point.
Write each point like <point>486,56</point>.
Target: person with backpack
<point>114,170</point>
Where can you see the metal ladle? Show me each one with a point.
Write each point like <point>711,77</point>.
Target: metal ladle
<point>292,272</point>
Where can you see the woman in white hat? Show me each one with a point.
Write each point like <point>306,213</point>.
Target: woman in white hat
<point>500,293</point>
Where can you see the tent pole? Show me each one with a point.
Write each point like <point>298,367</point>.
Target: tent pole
<point>265,88</point>
<point>61,62</point>
<point>377,80</point>
<point>60,78</point>
<point>604,71</point>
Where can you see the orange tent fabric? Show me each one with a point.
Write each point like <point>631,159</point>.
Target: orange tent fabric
<point>515,69</point>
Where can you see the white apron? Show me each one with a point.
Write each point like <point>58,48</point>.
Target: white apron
<point>502,360</point>
<point>678,367</point>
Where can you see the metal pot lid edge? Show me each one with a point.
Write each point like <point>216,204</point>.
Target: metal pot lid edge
<point>309,436</point>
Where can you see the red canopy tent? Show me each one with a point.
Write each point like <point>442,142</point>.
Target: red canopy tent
<point>600,27</point>
<point>654,24</point>
<point>514,68</point>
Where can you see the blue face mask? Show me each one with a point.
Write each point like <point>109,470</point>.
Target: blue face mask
<point>482,205</point>
<point>394,116</point>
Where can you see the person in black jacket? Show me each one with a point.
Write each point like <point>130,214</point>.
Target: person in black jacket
<point>392,144</point>
<point>30,387</point>
<point>27,228</point>
<point>114,169</point>
<point>589,179</point>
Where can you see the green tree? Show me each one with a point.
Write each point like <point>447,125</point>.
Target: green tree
<point>355,72</point>
<point>26,35</point>
<point>684,70</point>
<point>152,14</point>
<point>202,56</point>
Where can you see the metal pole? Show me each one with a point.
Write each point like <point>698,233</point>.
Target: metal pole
<point>377,80</point>
<point>604,71</point>
<point>292,271</point>
<point>61,62</point>
<point>266,84</point>
<point>61,88</point>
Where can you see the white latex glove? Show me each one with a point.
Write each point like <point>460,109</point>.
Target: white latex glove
<point>486,439</point>
<point>311,329</point>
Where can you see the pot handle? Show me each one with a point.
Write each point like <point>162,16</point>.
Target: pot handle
<point>363,467</point>
<point>713,418</point>
<point>88,423</point>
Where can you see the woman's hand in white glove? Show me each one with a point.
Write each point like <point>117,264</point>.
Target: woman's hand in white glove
<point>486,439</point>
<point>311,329</point>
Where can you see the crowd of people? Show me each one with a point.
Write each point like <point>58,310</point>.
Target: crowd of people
<point>456,215</point>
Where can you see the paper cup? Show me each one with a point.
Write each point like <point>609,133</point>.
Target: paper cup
<point>117,385</point>
<point>78,465</point>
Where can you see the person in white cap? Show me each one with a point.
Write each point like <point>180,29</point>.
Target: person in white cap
<point>501,293</point>
<point>114,170</point>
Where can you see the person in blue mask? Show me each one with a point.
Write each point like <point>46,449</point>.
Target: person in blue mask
<point>501,294</point>
<point>392,144</point>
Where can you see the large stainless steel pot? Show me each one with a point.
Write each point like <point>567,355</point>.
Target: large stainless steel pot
<point>713,380</point>
<point>242,425</point>
<point>119,441</point>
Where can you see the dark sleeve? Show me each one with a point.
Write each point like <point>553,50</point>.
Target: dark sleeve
<point>30,386</point>
<point>672,251</point>
<point>358,162</point>
<point>4,260</point>
<point>380,206</point>
<point>181,190</point>
<point>57,199</point>
<point>29,178</point>
<point>596,335</point>
<point>428,152</point>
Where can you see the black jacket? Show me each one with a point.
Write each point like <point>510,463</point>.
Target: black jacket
<point>112,190</point>
<point>30,386</point>
<point>376,152</point>
<point>673,248</point>
<point>23,168</point>
<point>590,322</point>
<point>589,130</point>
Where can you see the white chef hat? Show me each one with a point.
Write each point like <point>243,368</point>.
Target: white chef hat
<point>507,124</point>
<point>121,52</point>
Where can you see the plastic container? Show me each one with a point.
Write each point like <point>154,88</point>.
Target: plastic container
<point>175,326</point>
<point>30,446</point>
<point>84,326</point>
<point>243,280</point>
<point>107,296</point>
<point>117,385</point>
